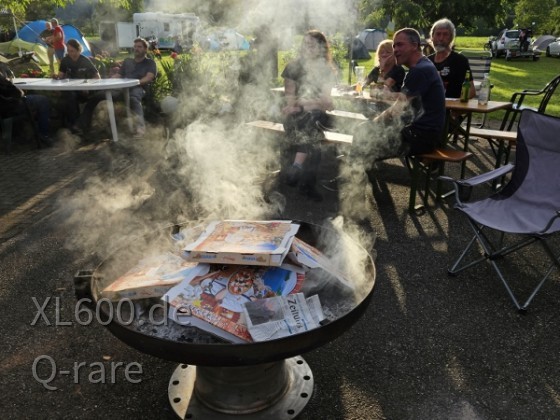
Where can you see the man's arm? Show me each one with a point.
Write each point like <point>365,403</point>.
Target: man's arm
<point>147,79</point>
<point>395,110</point>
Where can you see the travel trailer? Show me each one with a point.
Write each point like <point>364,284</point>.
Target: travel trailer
<point>169,29</point>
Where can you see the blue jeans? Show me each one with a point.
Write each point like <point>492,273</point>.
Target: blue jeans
<point>136,94</point>
<point>40,107</point>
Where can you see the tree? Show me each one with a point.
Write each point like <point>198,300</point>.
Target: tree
<point>528,12</point>
<point>421,15</point>
<point>19,7</point>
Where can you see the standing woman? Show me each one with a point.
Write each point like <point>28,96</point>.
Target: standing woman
<point>308,81</point>
<point>58,40</point>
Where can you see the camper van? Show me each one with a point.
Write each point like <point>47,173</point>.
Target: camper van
<point>169,29</point>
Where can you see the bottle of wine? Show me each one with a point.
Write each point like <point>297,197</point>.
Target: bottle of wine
<point>465,89</point>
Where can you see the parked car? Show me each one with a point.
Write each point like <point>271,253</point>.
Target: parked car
<point>540,43</point>
<point>504,37</point>
<point>553,49</point>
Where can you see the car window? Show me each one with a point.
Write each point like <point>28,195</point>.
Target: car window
<point>512,34</point>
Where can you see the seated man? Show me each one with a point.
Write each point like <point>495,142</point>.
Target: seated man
<point>414,123</point>
<point>452,66</point>
<point>140,67</point>
<point>13,103</point>
<point>75,66</point>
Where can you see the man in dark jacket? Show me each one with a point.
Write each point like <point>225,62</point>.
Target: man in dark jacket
<point>13,103</point>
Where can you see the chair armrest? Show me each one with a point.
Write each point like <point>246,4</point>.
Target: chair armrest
<point>462,185</point>
<point>482,178</point>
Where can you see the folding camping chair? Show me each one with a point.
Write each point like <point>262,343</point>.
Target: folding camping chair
<point>526,210</point>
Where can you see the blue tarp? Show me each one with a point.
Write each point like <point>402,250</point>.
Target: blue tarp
<point>31,30</point>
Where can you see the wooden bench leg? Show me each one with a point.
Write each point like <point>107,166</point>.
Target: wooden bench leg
<point>414,180</point>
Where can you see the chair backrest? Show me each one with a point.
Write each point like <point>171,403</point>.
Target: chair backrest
<point>518,98</point>
<point>548,91</point>
<point>480,63</point>
<point>536,176</point>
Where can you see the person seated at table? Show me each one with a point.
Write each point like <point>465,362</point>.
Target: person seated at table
<point>75,66</point>
<point>14,102</point>
<point>386,72</point>
<point>414,123</point>
<point>451,65</point>
<point>140,67</point>
<point>308,81</point>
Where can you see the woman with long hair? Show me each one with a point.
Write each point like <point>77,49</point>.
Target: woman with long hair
<point>308,81</point>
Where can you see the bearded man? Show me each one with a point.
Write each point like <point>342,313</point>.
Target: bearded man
<point>452,66</point>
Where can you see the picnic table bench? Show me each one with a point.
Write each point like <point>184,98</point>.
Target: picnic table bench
<point>431,165</point>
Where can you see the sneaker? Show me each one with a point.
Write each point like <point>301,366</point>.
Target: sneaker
<point>310,192</point>
<point>293,175</point>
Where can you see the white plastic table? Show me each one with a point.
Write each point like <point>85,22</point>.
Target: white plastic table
<point>106,85</point>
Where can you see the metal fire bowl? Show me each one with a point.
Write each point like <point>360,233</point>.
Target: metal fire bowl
<point>252,381</point>
<point>235,355</point>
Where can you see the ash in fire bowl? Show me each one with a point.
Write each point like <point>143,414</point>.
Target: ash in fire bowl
<point>149,316</point>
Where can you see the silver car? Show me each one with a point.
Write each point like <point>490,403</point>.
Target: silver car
<point>553,49</point>
<point>504,37</point>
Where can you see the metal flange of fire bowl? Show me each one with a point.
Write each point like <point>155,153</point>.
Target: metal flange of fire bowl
<point>257,380</point>
<point>277,390</point>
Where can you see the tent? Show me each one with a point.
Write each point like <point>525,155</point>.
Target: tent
<point>31,30</point>
<point>227,39</point>
<point>542,42</point>
<point>372,37</point>
<point>359,50</point>
<point>16,44</point>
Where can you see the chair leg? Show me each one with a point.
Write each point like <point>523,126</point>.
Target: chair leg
<point>493,254</point>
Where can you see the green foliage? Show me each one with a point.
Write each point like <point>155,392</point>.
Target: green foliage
<point>20,7</point>
<point>339,51</point>
<point>529,11</point>
<point>421,15</point>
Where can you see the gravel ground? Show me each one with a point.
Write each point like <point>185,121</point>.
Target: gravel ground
<point>429,346</point>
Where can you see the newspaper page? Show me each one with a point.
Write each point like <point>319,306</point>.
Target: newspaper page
<point>217,298</point>
<point>281,316</point>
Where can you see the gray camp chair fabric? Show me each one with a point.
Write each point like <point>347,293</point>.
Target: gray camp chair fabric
<point>528,205</point>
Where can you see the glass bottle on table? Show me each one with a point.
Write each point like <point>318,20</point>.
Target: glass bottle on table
<point>484,91</point>
<point>466,87</point>
<point>360,70</point>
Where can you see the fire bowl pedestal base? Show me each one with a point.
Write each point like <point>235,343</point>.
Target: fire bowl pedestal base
<point>278,390</point>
